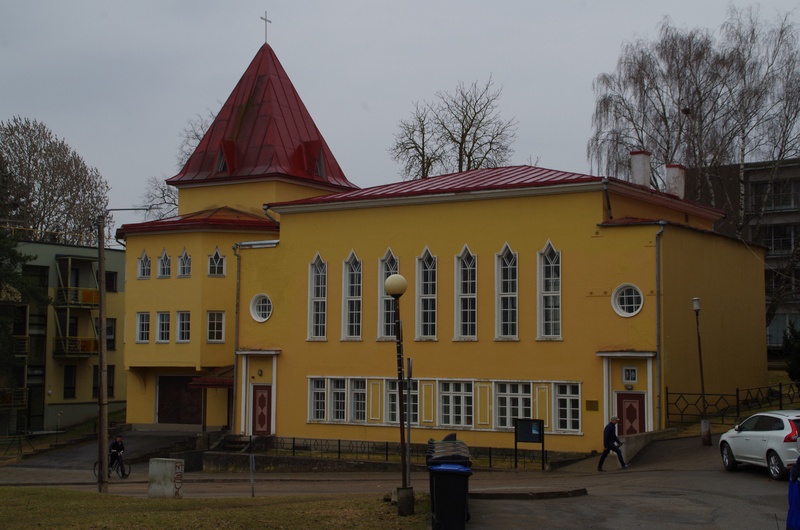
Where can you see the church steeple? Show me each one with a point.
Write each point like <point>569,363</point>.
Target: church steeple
<point>263,131</point>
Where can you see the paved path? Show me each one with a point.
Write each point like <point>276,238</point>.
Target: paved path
<point>670,484</point>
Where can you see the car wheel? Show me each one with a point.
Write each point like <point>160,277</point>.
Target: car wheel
<point>727,457</point>
<point>776,468</point>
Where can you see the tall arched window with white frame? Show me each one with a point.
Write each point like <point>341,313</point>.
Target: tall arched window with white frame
<point>506,298</point>
<point>426,296</point>
<point>351,301</point>
<point>549,306</point>
<point>388,265</point>
<point>466,289</point>
<point>317,299</point>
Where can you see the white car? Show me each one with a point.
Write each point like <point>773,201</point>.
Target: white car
<point>766,439</point>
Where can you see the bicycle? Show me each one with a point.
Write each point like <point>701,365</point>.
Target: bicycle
<point>121,466</point>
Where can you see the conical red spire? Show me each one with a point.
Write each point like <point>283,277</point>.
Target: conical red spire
<point>263,131</point>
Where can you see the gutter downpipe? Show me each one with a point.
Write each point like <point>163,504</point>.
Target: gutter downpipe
<point>608,199</point>
<point>663,225</point>
<point>232,412</point>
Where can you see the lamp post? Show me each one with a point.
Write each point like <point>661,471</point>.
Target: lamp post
<point>705,426</point>
<point>102,392</point>
<point>395,285</point>
<point>102,369</point>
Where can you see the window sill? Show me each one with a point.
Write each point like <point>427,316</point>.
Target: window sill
<point>550,339</point>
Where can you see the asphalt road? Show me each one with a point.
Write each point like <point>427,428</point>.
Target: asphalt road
<point>671,484</point>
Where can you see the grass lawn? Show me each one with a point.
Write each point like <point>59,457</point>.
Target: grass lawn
<point>45,507</point>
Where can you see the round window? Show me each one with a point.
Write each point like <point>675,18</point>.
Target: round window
<point>261,308</point>
<point>627,300</point>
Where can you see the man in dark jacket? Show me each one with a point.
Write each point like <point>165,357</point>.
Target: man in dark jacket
<point>115,449</point>
<point>611,443</point>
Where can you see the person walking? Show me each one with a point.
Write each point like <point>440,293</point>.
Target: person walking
<point>611,443</point>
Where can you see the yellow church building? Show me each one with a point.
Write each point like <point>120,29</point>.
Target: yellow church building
<point>532,293</point>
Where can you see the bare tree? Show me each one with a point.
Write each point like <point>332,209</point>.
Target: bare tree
<point>161,199</point>
<point>704,102</point>
<point>191,135</point>
<point>713,102</point>
<point>459,131</point>
<point>51,190</point>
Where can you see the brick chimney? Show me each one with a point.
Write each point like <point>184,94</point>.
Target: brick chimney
<point>676,180</point>
<point>640,168</point>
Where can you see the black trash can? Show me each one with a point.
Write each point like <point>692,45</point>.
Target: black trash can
<point>449,493</point>
<point>449,464</point>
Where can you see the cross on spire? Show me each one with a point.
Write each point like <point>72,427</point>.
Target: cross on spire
<point>266,21</point>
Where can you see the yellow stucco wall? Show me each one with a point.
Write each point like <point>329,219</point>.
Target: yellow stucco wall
<point>595,260</point>
<point>728,278</point>
<point>247,196</point>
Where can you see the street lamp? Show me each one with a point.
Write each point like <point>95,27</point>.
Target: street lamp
<point>102,369</point>
<point>705,426</point>
<point>395,285</point>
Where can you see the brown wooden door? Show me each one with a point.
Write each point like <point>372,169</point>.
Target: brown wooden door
<point>630,409</point>
<point>262,410</point>
<point>178,402</point>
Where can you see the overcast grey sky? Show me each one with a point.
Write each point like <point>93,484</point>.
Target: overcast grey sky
<point>119,80</point>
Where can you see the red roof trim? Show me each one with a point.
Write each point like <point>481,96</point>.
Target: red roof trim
<point>512,177</point>
<point>224,218</point>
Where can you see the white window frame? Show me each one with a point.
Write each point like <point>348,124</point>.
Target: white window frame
<point>183,323</point>
<point>184,265</point>
<point>456,403</point>
<point>427,287</point>
<point>337,399</point>
<point>391,401</point>
<point>215,327</point>
<point>549,294</point>
<point>507,294</point>
<point>358,400</point>
<point>351,297</point>
<point>162,327</point>
<point>164,265</point>
<point>317,299</point>
<point>513,399</point>
<point>387,266</point>
<point>261,307</point>
<point>143,267</point>
<point>466,294</point>
<point>627,300</point>
<point>568,407</point>
<point>216,264</point>
<point>317,399</point>
<point>630,375</point>
<point>143,327</point>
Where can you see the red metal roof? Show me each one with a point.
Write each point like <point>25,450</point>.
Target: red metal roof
<point>217,219</point>
<point>512,177</point>
<point>263,130</point>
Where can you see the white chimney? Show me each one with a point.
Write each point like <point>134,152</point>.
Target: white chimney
<point>676,180</point>
<point>640,168</point>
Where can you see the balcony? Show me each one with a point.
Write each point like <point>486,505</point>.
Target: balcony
<point>77,297</point>
<point>76,347</point>
<point>13,397</point>
<point>22,346</point>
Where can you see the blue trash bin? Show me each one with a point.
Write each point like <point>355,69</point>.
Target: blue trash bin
<point>449,494</point>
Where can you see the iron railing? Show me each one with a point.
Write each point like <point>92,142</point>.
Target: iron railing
<point>729,409</point>
<point>360,450</point>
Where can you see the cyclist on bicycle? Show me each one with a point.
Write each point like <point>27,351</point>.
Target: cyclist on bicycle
<point>116,448</point>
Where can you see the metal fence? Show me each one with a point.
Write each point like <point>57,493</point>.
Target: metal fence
<point>729,409</point>
<point>359,450</point>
